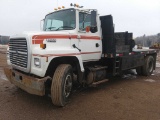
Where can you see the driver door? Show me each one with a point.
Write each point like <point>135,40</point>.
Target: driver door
<point>89,43</point>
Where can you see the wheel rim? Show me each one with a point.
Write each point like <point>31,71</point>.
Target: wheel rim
<point>150,66</point>
<point>67,85</point>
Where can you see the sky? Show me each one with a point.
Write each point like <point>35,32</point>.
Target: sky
<point>137,16</point>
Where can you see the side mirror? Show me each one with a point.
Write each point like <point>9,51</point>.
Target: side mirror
<point>93,27</point>
<point>41,24</point>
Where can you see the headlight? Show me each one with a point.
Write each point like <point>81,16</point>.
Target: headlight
<point>37,62</point>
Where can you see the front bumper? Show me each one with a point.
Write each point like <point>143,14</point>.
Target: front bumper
<point>27,83</point>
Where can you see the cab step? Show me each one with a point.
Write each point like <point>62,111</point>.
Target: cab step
<point>99,82</point>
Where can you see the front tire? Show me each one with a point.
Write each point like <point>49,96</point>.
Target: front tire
<point>61,85</point>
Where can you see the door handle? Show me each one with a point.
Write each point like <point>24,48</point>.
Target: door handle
<point>97,45</point>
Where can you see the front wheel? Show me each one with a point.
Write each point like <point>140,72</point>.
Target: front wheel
<point>61,84</point>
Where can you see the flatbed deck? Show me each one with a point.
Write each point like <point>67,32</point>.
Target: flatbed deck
<point>144,50</point>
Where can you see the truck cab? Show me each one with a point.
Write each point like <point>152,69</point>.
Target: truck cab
<point>74,23</point>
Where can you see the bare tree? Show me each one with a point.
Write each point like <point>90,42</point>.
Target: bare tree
<point>148,41</point>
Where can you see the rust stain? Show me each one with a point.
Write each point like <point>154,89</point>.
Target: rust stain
<point>26,81</point>
<point>29,84</point>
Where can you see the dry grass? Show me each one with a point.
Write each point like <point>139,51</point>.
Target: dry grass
<point>3,57</point>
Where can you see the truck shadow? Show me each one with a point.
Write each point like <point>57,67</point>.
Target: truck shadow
<point>79,94</point>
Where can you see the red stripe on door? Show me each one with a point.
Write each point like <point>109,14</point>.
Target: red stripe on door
<point>90,37</point>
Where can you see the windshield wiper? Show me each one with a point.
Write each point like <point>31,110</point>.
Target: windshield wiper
<point>50,28</point>
<point>64,28</point>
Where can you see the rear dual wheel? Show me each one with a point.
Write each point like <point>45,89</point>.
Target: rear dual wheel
<point>147,68</point>
<point>61,85</point>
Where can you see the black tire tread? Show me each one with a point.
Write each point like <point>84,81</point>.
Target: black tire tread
<point>56,88</point>
<point>144,68</point>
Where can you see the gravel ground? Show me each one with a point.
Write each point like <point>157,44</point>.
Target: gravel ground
<point>130,98</point>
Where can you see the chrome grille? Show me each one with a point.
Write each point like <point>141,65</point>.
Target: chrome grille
<point>18,52</point>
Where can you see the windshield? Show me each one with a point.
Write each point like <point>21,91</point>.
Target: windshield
<point>60,20</point>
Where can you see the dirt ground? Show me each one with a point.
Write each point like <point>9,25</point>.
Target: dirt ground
<point>130,98</point>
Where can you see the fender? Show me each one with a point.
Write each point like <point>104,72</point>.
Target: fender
<point>49,62</point>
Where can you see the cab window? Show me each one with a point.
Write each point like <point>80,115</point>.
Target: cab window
<point>84,20</point>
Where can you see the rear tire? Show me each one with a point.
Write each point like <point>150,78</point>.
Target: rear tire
<point>148,67</point>
<point>61,85</point>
